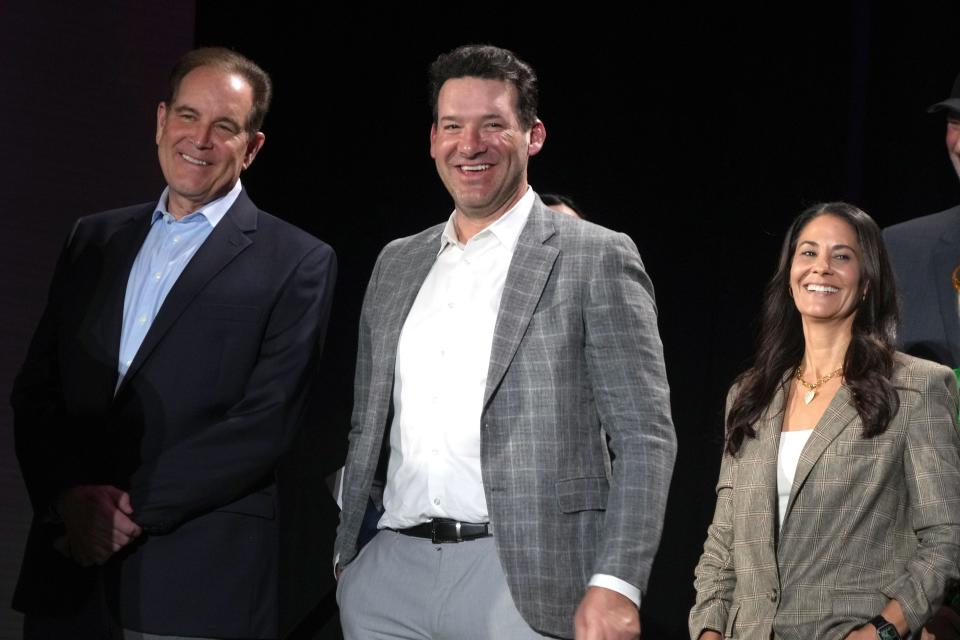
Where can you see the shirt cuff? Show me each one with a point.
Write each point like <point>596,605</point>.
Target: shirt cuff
<point>616,584</point>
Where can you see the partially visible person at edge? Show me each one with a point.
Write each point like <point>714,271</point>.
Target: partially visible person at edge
<point>838,504</point>
<point>925,255</point>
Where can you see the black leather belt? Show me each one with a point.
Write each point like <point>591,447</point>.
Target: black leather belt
<point>440,530</point>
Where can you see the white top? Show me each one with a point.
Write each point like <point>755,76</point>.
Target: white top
<point>791,446</point>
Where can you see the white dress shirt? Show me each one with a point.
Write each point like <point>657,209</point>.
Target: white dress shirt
<point>441,375</point>
<point>440,378</point>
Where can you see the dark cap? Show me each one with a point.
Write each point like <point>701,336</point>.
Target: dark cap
<point>950,104</point>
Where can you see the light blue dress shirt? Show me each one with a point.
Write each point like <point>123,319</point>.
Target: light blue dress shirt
<point>166,252</point>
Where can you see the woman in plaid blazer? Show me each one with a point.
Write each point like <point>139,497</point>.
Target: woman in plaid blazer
<point>838,504</point>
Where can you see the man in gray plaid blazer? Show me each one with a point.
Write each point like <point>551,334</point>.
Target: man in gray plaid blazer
<point>493,349</point>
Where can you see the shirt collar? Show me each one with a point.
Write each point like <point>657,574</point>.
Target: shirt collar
<point>213,211</point>
<point>506,228</point>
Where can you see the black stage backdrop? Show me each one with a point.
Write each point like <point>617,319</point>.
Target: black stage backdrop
<point>700,134</point>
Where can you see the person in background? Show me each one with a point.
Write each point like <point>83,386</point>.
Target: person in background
<point>563,204</point>
<point>925,254</point>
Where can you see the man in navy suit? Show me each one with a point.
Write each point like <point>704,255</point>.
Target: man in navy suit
<point>166,379</point>
<point>925,253</point>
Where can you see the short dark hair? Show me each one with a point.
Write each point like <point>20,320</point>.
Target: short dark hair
<point>553,199</point>
<point>868,363</point>
<point>492,63</point>
<point>231,62</point>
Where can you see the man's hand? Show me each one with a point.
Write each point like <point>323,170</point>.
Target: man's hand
<point>604,614</point>
<point>97,518</point>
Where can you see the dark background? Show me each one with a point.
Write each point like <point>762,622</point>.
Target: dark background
<point>700,134</point>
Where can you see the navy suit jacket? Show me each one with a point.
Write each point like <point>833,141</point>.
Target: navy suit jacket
<point>924,252</point>
<point>195,431</point>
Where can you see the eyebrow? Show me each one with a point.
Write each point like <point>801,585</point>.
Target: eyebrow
<point>836,246</point>
<point>183,108</point>
<point>486,116</point>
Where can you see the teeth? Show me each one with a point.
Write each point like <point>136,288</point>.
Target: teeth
<point>821,288</point>
<point>193,160</point>
<point>475,167</point>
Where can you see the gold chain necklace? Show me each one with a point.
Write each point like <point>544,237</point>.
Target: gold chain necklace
<point>813,386</point>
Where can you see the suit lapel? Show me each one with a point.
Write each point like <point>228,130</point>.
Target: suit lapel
<point>105,321</point>
<point>528,274</point>
<point>768,436</point>
<point>838,414</point>
<point>946,258</point>
<point>223,244</point>
<point>414,270</point>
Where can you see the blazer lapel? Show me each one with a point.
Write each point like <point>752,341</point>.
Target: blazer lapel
<point>528,274</point>
<point>768,435</point>
<point>946,258</point>
<point>419,261</point>
<point>105,320</point>
<point>223,244</point>
<point>838,414</point>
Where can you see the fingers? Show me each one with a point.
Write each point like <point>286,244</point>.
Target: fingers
<point>123,527</point>
<point>97,522</point>
<point>606,615</point>
<point>122,500</point>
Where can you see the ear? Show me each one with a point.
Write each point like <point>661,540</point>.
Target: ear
<point>433,140</point>
<point>538,134</point>
<point>253,147</point>
<point>161,119</point>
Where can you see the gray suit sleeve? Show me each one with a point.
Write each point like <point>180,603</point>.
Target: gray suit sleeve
<point>624,358</point>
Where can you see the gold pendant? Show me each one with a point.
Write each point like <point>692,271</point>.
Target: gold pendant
<point>809,395</point>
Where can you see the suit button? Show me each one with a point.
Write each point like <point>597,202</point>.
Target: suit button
<point>774,595</point>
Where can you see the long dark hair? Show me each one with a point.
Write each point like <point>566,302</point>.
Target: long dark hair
<point>869,359</point>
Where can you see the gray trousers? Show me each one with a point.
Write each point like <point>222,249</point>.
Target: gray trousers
<point>406,588</point>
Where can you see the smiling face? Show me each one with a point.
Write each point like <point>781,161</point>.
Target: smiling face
<point>202,141</point>
<point>825,272</point>
<point>480,148</point>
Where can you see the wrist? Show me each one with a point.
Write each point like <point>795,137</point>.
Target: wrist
<point>884,629</point>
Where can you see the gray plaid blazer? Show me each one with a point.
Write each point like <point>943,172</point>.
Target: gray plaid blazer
<point>575,347</point>
<point>867,521</point>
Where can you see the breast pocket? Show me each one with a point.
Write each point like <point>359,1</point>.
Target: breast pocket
<point>230,312</point>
